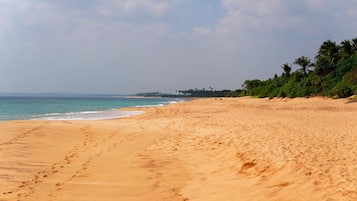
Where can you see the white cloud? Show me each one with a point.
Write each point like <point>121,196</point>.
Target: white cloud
<point>255,15</point>
<point>317,4</point>
<point>253,7</point>
<point>306,17</point>
<point>124,7</point>
<point>159,30</point>
<point>201,31</point>
<point>134,42</point>
<point>247,23</point>
<point>31,13</point>
<point>352,13</point>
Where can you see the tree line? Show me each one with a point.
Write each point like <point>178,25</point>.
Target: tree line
<point>333,73</point>
<point>210,92</point>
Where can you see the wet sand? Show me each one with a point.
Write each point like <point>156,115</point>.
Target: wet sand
<point>207,149</point>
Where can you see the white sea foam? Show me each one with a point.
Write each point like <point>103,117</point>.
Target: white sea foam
<point>88,115</point>
<point>158,105</point>
<point>98,115</point>
<point>174,102</point>
<point>51,114</point>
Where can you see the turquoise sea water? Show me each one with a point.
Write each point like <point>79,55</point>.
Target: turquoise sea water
<point>72,107</point>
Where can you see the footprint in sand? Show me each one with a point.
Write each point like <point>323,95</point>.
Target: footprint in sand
<point>246,166</point>
<point>59,185</point>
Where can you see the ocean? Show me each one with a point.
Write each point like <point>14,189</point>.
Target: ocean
<point>73,107</point>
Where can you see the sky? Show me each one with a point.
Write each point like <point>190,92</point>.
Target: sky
<point>129,46</point>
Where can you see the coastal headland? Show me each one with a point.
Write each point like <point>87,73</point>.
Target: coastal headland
<point>206,149</point>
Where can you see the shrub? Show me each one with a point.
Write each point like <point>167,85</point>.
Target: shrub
<point>341,90</point>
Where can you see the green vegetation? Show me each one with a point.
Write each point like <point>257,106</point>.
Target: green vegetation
<point>210,93</point>
<point>334,74</point>
<point>150,94</point>
<point>196,93</point>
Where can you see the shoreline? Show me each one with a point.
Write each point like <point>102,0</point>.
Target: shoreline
<point>73,108</point>
<point>205,149</point>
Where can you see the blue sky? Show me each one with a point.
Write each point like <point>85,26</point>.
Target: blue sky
<point>128,46</point>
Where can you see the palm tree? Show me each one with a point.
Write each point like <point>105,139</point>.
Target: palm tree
<point>346,49</point>
<point>354,45</point>
<point>287,69</point>
<point>327,57</point>
<point>330,50</point>
<point>304,63</point>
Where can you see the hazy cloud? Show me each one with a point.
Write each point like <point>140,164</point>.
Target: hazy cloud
<point>124,7</point>
<point>146,45</point>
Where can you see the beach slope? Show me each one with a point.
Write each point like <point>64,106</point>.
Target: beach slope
<point>207,149</point>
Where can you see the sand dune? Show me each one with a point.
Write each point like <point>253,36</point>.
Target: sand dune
<point>207,149</point>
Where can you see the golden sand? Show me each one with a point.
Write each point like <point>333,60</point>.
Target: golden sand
<point>207,149</point>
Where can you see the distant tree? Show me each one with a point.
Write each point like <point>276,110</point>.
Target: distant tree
<point>335,75</point>
<point>251,84</point>
<point>327,58</point>
<point>330,50</point>
<point>304,63</point>
<point>346,49</point>
<point>287,69</point>
<point>354,45</point>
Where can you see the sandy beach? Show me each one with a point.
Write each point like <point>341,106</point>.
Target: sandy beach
<point>206,149</point>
